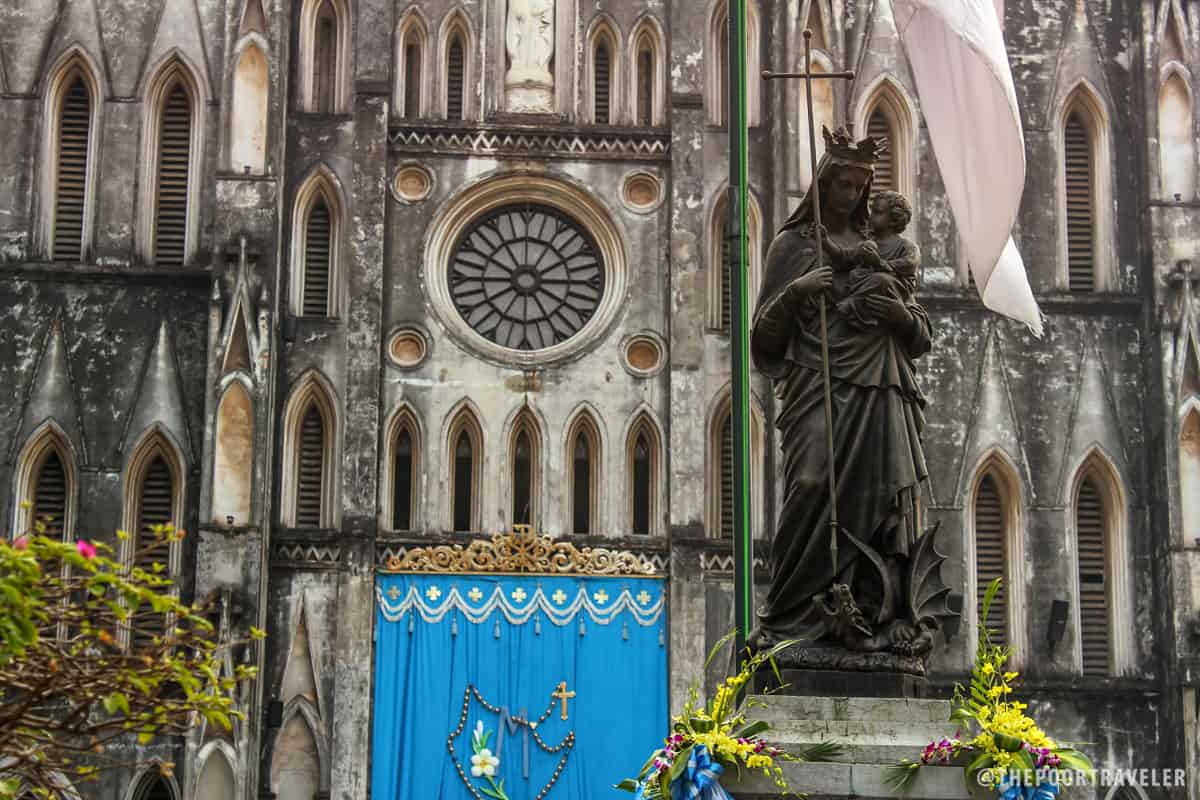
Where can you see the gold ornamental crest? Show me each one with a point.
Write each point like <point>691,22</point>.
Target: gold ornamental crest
<point>521,552</point>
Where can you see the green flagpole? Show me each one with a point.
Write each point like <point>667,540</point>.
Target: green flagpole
<point>739,340</point>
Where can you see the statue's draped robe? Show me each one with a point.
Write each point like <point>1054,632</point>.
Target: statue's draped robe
<point>877,423</point>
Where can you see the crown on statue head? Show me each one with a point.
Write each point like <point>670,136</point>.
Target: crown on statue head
<point>842,148</point>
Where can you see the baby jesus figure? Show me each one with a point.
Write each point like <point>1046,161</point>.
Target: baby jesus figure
<point>886,265</point>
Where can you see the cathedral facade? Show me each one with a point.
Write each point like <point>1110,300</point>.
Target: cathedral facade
<point>322,280</point>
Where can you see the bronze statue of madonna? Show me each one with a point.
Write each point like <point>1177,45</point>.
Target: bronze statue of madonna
<point>884,595</point>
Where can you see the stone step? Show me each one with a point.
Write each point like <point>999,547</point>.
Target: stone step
<point>863,742</point>
<point>781,707</point>
<point>858,781</point>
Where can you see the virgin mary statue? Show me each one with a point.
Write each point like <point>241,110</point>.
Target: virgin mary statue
<point>876,597</point>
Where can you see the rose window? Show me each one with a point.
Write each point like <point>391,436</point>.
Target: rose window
<point>526,276</point>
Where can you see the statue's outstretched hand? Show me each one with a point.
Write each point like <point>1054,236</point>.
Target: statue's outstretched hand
<point>810,284</point>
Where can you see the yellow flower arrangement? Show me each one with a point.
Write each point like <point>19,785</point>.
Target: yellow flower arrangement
<point>709,737</point>
<point>1007,739</point>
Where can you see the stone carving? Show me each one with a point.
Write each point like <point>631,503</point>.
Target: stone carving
<point>877,607</point>
<point>521,551</point>
<point>529,40</point>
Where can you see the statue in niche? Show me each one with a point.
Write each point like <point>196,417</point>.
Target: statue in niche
<point>529,40</point>
<point>877,608</point>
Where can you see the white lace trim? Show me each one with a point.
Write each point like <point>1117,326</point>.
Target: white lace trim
<point>518,613</point>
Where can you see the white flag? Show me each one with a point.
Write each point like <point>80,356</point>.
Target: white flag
<point>960,66</point>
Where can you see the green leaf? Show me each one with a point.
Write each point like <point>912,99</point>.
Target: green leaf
<point>981,762</point>
<point>753,729</point>
<point>627,785</point>
<point>116,702</point>
<point>716,648</point>
<point>1074,760</point>
<point>678,765</point>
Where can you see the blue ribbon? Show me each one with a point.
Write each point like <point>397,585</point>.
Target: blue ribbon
<point>1046,790</point>
<point>700,780</point>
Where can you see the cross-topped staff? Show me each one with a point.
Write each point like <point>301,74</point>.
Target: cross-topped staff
<point>815,190</point>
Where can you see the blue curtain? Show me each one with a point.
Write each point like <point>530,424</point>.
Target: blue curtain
<point>516,639</point>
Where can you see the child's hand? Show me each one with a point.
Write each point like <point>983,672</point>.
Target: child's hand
<point>868,253</point>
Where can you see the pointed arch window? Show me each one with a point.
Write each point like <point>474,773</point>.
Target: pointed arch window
<point>1176,144</point>
<point>71,156</point>
<point>721,262</point>
<point>310,475</point>
<point>885,171</point>
<point>643,450</point>
<point>318,240</point>
<point>46,474</point>
<point>1084,193</point>
<point>717,98</point>
<point>583,460</point>
<point>465,444</point>
<point>603,68</point>
<point>153,787</point>
<point>1093,578</point>
<point>525,464</point>
<point>324,65</point>
<point>720,522</point>
<point>1077,154</point>
<point>405,467</point>
<point>1104,614</point>
<point>602,82</point>
<point>456,62</point>
<point>316,250</point>
<point>172,190</point>
<point>642,475</point>
<point>410,69</point>
<point>248,118</point>
<point>886,112</point>
<point>156,499</point>
<point>726,481</point>
<point>308,457</point>
<point>50,495</point>
<point>1189,475</point>
<point>991,555</point>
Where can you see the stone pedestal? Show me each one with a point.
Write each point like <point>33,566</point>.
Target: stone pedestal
<point>875,733</point>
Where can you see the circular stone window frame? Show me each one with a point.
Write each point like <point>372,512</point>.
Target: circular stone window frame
<point>658,343</point>
<point>395,177</point>
<point>642,173</point>
<point>414,330</point>
<point>512,188</point>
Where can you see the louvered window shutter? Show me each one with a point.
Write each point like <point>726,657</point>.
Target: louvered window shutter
<point>412,80</point>
<point>174,162</point>
<point>156,506</point>
<point>990,556</point>
<point>645,90</point>
<point>727,478</point>
<point>581,477</point>
<point>464,477</point>
<point>726,272</point>
<point>50,495</point>
<point>455,65</point>
<point>324,63</point>
<point>1081,270</point>
<point>1093,579</point>
<point>878,127</point>
<point>318,249</point>
<point>641,485</point>
<point>310,469</point>
<point>602,83</point>
<point>75,123</point>
<point>402,478</point>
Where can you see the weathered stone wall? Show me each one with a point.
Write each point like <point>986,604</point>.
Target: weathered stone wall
<point>1108,377</point>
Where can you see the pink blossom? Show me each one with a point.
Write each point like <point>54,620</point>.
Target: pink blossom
<point>86,548</point>
<point>20,543</point>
